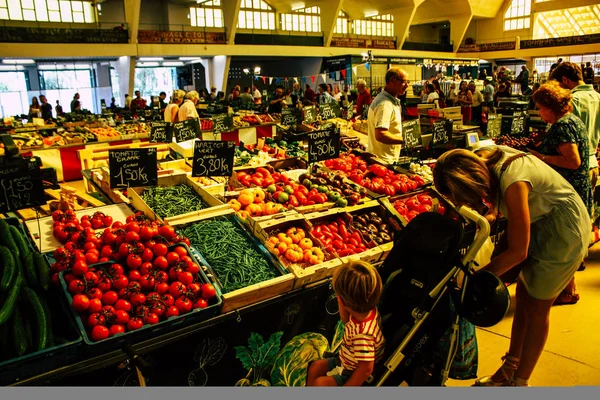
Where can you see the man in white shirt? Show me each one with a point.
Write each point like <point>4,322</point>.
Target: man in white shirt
<point>385,117</point>
<point>257,95</point>
<point>187,110</point>
<point>476,107</point>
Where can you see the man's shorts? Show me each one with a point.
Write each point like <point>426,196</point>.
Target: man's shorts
<point>341,376</point>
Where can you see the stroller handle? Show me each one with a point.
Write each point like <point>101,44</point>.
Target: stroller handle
<point>483,232</point>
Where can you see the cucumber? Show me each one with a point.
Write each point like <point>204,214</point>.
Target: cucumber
<point>9,273</point>
<point>19,333</point>
<point>28,329</point>
<point>38,319</point>
<point>10,301</point>
<point>26,255</point>
<point>6,239</point>
<point>43,270</point>
<point>48,320</point>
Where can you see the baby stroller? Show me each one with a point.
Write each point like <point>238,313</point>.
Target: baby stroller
<point>421,277</point>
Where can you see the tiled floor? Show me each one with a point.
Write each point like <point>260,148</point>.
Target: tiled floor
<point>572,354</point>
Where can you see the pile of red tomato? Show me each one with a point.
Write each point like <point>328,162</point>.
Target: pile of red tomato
<point>338,238</point>
<point>412,206</point>
<point>148,283</point>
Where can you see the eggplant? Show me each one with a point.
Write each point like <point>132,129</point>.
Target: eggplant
<point>384,236</point>
<point>361,220</point>
<point>372,228</point>
<point>376,220</point>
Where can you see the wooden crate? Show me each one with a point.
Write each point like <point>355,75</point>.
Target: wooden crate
<point>135,198</point>
<point>254,293</point>
<point>183,149</point>
<point>305,273</point>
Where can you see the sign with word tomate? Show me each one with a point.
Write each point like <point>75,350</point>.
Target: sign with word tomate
<point>494,125</point>
<point>161,132</point>
<point>442,132</point>
<point>213,158</point>
<point>323,145</point>
<point>291,116</point>
<point>518,123</point>
<point>186,130</point>
<point>132,167</point>
<point>20,185</point>
<point>310,114</point>
<point>222,123</point>
<point>411,131</point>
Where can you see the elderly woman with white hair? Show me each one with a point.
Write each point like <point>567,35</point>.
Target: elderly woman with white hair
<point>188,109</point>
<point>364,97</point>
<point>172,109</point>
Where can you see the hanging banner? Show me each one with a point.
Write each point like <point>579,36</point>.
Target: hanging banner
<point>368,66</point>
<point>355,71</point>
<point>296,80</point>
<point>344,73</point>
<point>324,77</point>
<point>337,75</point>
<point>312,78</point>
<point>264,78</point>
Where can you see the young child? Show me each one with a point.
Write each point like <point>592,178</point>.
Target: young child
<point>358,288</point>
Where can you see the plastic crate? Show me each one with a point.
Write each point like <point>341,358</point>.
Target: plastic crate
<point>147,331</point>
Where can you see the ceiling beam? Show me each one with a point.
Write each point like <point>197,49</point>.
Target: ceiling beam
<point>560,5</point>
<point>132,17</point>
<point>329,14</point>
<point>458,28</point>
<point>231,12</point>
<point>403,18</point>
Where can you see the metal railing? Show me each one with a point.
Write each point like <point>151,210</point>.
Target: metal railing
<point>429,45</point>
<point>107,25</point>
<point>275,37</point>
<point>179,28</point>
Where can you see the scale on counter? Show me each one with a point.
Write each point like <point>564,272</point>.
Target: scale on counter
<point>471,139</point>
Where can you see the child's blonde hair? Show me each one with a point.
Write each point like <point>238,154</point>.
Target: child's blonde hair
<point>359,286</point>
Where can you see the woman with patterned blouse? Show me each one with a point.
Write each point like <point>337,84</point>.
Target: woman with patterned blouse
<point>565,148</point>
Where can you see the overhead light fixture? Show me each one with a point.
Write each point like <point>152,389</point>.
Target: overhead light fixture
<point>371,14</point>
<point>189,58</point>
<point>11,68</point>
<point>256,70</point>
<point>298,6</point>
<point>150,59</point>
<point>201,1</point>
<point>18,61</point>
<point>172,64</point>
<point>246,70</point>
<point>148,64</point>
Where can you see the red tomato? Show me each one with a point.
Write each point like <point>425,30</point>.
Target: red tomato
<point>79,268</point>
<point>132,237</point>
<point>137,299</point>
<point>147,282</point>
<point>116,329</point>
<point>132,227</point>
<point>151,318</point>
<point>91,278</point>
<point>107,220</point>
<point>200,303</point>
<point>120,282</point>
<point>134,275</point>
<point>181,251</point>
<point>95,293</point>
<point>195,288</point>
<point>168,299</point>
<point>115,269</point>
<point>146,268</point>
<point>109,312</point>
<point>124,250</point>
<point>161,276</point>
<point>146,233</point>
<point>160,249</point>
<point>161,287</point>
<point>172,312</point>
<point>167,231</point>
<point>91,258</point>
<point>123,305</point>
<point>96,319</point>
<point>161,262</point>
<point>192,268</point>
<point>172,258</point>
<point>134,261</point>
<point>176,289</point>
<point>135,323</point>
<point>159,309</point>
<point>89,246</point>
<point>147,255</point>
<point>183,304</point>
<point>121,317</point>
<point>76,286</point>
<point>80,302</point>
<point>95,306</point>
<point>185,277</point>
<point>208,291</point>
<point>110,297</point>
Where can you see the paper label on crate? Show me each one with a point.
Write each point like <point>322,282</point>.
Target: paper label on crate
<point>518,123</point>
<point>442,131</point>
<point>291,116</point>
<point>20,184</point>
<point>161,132</point>
<point>323,145</point>
<point>222,123</point>
<point>213,158</point>
<point>411,131</point>
<point>494,125</point>
<point>310,114</point>
<point>186,130</point>
<point>132,167</point>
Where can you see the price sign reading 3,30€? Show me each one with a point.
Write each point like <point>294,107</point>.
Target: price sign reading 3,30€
<point>213,158</point>
<point>323,145</point>
<point>20,185</point>
<point>132,167</point>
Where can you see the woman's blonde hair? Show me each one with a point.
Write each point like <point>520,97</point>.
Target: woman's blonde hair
<point>359,286</point>
<point>551,95</point>
<point>466,178</point>
<point>178,95</point>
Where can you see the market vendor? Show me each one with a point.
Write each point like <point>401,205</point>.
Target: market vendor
<point>385,117</point>
<point>277,102</point>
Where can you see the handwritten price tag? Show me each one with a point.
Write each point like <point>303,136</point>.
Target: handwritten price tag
<point>411,131</point>
<point>213,158</point>
<point>310,114</point>
<point>291,116</point>
<point>161,132</point>
<point>442,131</point>
<point>20,185</point>
<point>133,167</point>
<point>186,130</point>
<point>326,111</point>
<point>323,145</point>
<point>222,123</point>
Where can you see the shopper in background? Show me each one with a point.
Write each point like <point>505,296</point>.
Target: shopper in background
<point>488,94</point>
<point>296,96</point>
<point>566,148</point>
<point>501,92</point>
<point>465,101</point>
<point>548,235</point>
<point>213,93</point>
<point>246,97</point>
<point>34,108</point>
<point>309,94</point>
<point>451,96</point>
<point>477,106</point>
<point>364,97</point>
<point>277,102</point>
<point>456,76</point>
<point>138,103</point>
<point>324,96</point>
<point>385,117</point>
<point>172,109</point>
<point>588,73</point>
<point>432,96</point>
<point>113,104</point>
<point>440,93</point>
<point>534,88</point>
<point>162,103</point>
<point>482,75</point>
<point>495,73</point>
<point>75,103</point>
<point>553,66</point>
<point>127,101</point>
<point>358,288</point>
<point>330,89</point>
<point>523,80</point>
<point>187,110</point>
<point>59,109</point>
<point>45,108</point>
<point>256,95</point>
<point>337,94</point>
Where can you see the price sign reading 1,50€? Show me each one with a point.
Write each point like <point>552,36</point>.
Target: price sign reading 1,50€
<point>323,145</point>
<point>213,158</point>
<point>132,167</point>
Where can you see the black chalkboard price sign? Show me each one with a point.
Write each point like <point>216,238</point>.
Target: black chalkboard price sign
<point>442,132</point>
<point>291,116</point>
<point>213,158</point>
<point>132,167</point>
<point>20,185</point>
<point>326,110</point>
<point>222,123</point>
<point>186,130</point>
<point>411,131</point>
<point>518,124</point>
<point>365,112</point>
<point>323,145</point>
<point>494,125</point>
<point>310,114</point>
<point>161,132</point>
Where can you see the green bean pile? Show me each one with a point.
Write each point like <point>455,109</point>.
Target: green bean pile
<point>231,255</point>
<point>169,201</point>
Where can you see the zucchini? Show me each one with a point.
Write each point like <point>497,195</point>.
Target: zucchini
<point>43,270</point>
<point>10,302</point>
<point>6,239</point>
<point>38,319</point>
<point>19,333</point>
<point>26,255</point>
<point>9,272</point>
